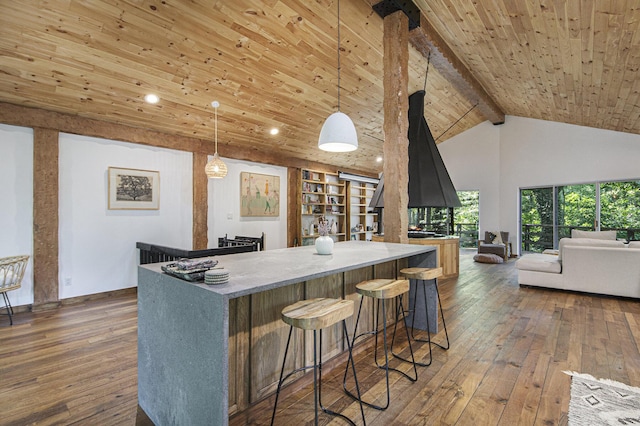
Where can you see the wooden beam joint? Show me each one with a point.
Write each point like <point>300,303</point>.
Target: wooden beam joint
<point>387,7</point>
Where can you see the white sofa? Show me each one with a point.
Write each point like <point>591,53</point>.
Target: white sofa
<point>591,265</point>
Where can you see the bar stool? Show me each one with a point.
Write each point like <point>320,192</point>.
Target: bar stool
<point>381,290</point>
<point>316,314</point>
<point>424,275</point>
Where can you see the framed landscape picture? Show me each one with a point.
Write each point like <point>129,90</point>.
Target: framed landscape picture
<point>259,195</point>
<point>132,189</point>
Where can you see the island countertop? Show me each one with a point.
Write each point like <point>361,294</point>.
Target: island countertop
<point>206,349</point>
<point>255,272</point>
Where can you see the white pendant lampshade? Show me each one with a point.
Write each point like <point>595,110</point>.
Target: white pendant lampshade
<point>216,169</point>
<point>338,134</point>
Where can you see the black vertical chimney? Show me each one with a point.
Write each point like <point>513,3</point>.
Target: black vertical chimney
<point>429,182</point>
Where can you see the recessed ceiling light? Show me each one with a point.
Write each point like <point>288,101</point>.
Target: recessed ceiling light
<point>378,159</point>
<point>274,131</point>
<point>151,98</point>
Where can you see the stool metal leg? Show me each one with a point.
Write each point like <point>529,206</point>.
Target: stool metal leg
<point>444,324</point>
<point>317,377</point>
<point>413,361</point>
<point>284,361</point>
<point>399,309</point>
<point>384,366</point>
<point>353,366</point>
<point>413,320</point>
<point>426,306</point>
<point>317,390</point>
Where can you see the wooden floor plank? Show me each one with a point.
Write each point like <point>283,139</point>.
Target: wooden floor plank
<point>509,349</point>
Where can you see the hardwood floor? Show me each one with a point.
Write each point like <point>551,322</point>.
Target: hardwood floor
<point>74,365</point>
<point>509,348</point>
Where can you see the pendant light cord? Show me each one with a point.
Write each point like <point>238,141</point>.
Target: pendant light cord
<point>426,74</point>
<point>216,128</point>
<point>338,55</point>
<point>442,134</point>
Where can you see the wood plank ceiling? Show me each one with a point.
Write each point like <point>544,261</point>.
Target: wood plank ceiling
<point>274,64</point>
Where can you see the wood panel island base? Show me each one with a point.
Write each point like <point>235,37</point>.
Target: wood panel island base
<point>448,252</point>
<point>205,352</point>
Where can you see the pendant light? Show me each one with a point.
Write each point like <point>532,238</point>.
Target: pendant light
<point>216,169</point>
<point>338,133</point>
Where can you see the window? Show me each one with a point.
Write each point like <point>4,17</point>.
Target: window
<point>537,218</point>
<point>619,203</point>
<point>467,217</point>
<point>550,213</point>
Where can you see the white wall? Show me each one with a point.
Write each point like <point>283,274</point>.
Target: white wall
<point>533,153</point>
<point>16,211</point>
<point>472,159</point>
<point>97,246</point>
<point>224,206</point>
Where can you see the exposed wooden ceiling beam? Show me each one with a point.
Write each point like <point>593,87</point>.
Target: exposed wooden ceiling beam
<point>425,39</point>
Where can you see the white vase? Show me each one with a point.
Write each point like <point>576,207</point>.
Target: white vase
<point>324,245</point>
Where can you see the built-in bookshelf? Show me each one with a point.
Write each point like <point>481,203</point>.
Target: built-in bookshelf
<point>363,221</point>
<point>323,194</point>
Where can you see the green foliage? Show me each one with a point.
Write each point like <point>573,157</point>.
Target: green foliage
<point>619,207</point>
<point>468,216</point>
<point>576,208</point>
<point>468,213</point>
<point>437,219</point>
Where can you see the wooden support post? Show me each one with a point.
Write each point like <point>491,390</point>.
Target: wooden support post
<point>294,206</point>
<point>200,204</point>
<point>396,127</point>
<point>45,219</point>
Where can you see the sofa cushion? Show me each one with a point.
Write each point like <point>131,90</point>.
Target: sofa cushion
<point>488,258</point>
<point>489,237</point>
<point>598,235</point>
<point>591,242</point>
<point>539,262</point>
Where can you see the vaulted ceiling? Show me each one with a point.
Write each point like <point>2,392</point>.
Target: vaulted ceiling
<point>274,64</point>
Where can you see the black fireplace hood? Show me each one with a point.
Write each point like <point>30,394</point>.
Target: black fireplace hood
<point>429,181</point>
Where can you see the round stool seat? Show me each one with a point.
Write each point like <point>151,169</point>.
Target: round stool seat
<point>383,288</point>
<point>315,314</point>
<point>422,273</point>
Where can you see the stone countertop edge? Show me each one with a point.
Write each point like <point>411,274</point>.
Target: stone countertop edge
<point>255,272</point>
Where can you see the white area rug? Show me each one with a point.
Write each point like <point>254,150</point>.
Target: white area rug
<point>602,402</point>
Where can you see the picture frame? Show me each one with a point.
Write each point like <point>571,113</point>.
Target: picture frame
<point>259,195</point>
<point>133,189</point>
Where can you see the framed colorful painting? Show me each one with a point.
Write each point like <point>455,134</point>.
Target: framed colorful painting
<point>259,195</point>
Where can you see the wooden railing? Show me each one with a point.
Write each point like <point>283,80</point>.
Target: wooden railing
<point>468,233</point>
<point>240,240</point>
<point>151,253</point>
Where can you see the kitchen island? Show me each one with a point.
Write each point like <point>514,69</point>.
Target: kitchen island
<point>448,252</point>
<point>205,351</point>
